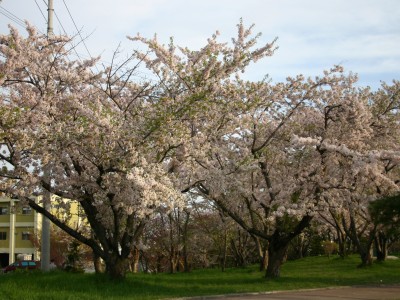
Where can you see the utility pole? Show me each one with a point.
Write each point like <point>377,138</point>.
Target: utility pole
<point>45,251</point>
<point>45,243</point>
<point>50,12</point>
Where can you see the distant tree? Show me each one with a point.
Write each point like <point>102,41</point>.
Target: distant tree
<point>385,213</point>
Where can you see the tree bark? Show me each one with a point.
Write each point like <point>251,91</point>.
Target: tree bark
<point>363,244</point>
<point>173,260</point>
<point>159,263</point>
<point>262,249</point>
<point>381,246</point>
<point>113,252</point>
<point>276,257</point>
<point>341,243</point>
<point>134,260</point>
<point>98,267</point>
<point>366,257</point>
<point>224,251</point>
<point>279,243</point>
<point>116,266</point>
<point>186,264</point>
<point>264,261</point>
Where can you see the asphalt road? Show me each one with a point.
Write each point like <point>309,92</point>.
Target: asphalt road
<point>342,293</point>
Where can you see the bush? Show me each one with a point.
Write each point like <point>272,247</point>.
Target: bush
<point>329,247</point>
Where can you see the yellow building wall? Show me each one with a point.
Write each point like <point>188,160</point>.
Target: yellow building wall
<point>65,209</point>
<point>19,242</point>
<point>73,215</point>
<point>25,218</point>
<point>5,218</point>
<point>5,243</point>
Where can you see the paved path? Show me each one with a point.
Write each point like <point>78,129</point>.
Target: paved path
<point>342,293</point>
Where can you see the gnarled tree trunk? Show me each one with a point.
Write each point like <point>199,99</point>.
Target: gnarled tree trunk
<point>362,240</point>
<point>277,251</point>
<point>116,266</point>
<point>279,243</point>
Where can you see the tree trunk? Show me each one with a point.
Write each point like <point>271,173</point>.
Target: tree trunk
<point>186,265</point>
<point>173,260</point>
<point>116,266</point>
<point>381,246</point>
<point>264,261</point>
<point>238,253</point>
<point>339,224</point>
<point>224,251</point>
<point>341,243</point>
<point>262,249</point>
<point>279,244</point>
<point>276,257</point>
<point>300,244</point>
<point>362,241</point>
<point>366,257</point>
<point>159,263</point>
<point>98,267</point>
<point>134,260</point>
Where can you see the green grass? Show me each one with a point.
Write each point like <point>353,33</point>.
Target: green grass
<point>312,272</point>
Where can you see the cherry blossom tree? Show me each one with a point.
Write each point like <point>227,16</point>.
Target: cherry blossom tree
<point>270,156</point>
<point>90,130</point>
<point>358,147</point>
<point>285,152</point>
<point>101,137</point>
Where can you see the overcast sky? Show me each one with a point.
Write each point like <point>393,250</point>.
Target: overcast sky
<point>313,35</point>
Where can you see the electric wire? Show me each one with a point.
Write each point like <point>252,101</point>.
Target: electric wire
<point>63,29</point>
<point>59,22</point>
<point>12,17</point>
<point>76,27</point>
<point>65,32</point>
<point>21,23</point>
<point>44,17</point>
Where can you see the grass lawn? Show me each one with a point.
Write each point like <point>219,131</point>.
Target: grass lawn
<point>311,272</point>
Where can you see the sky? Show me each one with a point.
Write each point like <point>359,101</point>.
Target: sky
<point>313,35</point>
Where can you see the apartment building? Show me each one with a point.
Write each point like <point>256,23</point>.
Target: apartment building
<point>18,227</point>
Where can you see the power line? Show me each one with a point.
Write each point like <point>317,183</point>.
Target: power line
<point>59,22</point>
<point>61,25</point>
<point>21,23</point>
<point>12,17</point>
<point>65,32</point>
<point>41,11</point>
<point>76,27</point>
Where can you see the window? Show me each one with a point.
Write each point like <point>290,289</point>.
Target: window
<point>3,236</point>
<point>3,210</point>
<point>26,236</point>
<point>26,210</point>
<point>24,263</point>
